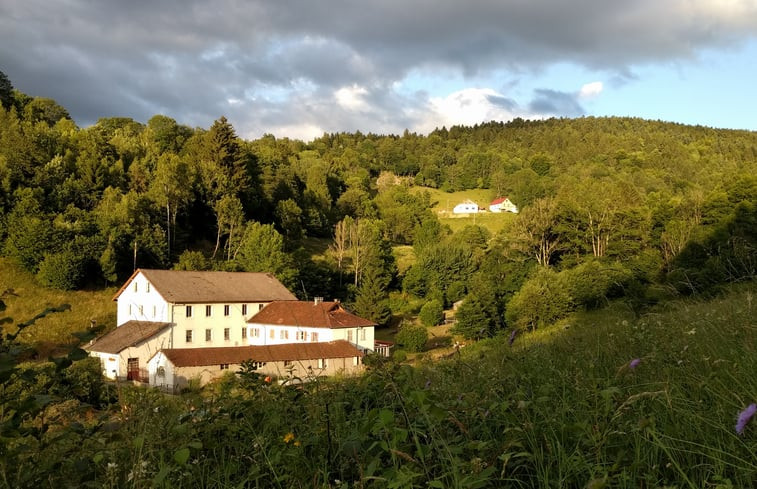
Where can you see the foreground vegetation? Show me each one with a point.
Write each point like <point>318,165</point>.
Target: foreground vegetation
<point>606,399</point>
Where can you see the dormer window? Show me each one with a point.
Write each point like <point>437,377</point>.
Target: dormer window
<point>136,287</point>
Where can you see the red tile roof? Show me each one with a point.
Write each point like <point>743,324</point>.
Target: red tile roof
<point>498,201</point>
<point>192,287</point>
<point>198,357</point>
<point>309,314</point>
<point>128,334</point>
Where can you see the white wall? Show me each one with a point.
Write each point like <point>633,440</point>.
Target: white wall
<point>217,322</point>
<point>141,302</point>
<point>360,337</point>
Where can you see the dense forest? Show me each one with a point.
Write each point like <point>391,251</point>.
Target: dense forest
<point>610,207</point>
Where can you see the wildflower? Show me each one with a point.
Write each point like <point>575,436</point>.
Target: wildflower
<point>297,443</point>
<point>744,417</point>
<point>267,379</point>
<point>512,337</point>
<point>634,363</point>
<point>288,437</point>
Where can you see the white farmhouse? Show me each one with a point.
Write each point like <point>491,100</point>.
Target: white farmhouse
<point>503,204</point>
<point>466,207</point>
<point>181,309</point>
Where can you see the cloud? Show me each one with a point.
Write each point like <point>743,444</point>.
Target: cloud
<point>553,102</point>
<point>334,64</point>
<point>591,90</point>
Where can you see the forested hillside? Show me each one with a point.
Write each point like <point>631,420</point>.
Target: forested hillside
<point>610,207</point>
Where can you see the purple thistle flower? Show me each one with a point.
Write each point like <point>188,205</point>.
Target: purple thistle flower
<point>512,337</point>
<point>744,417</point>
<point>634,363</point>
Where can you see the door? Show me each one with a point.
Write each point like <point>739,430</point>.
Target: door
<point>132,369</point>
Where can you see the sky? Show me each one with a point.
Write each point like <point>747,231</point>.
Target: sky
<point>299,68</point>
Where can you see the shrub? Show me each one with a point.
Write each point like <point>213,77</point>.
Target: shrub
<point>542,300</point>
<point>412,338</point>
<point>64,270</point>
<point>431,313</point>
<point>473,319</point>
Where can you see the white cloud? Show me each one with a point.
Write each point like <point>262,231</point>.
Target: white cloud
<point>466,107</point>
<point>590,90</point>
<point>352,98</point>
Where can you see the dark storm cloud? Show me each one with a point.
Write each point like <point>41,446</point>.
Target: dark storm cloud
<point>552,102</point>
<point>278,63</point>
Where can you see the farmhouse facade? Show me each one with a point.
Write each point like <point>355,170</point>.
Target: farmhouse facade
<point>174,369</point>
<point>503,204</point>
<point>212,316</point>
<point>317,321</point>
<point>466,207</point>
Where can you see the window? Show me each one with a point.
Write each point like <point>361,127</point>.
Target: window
<point>208,311</point>
<point>224,366</point>
<point>287,363</point>
<point>362,334</point>
<point>322,363</point>
<point>208,335</point>
<point>260,307</point>
<point>141,310</point>
<point>148,286</point>
<point>154,311</point>
<point>226,334</point>
<point>226,310</point>
<point>244,309</point>
<point>189,311</point>
<point>244,333</point>
<point>136,287</point>
<point>273,334</point>
<point>189,336</point>
<point>314,337</point>
<point>255,332</point>
<point>301,336</point>
<point>129,309</point>
<point>284,334</point>
<point>349,335</point>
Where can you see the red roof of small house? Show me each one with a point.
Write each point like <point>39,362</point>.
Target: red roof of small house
<point>498,201</point>
<point>131,333</point>
<point>199,357</point>
<point>309,314</point>
<point>193,287</point>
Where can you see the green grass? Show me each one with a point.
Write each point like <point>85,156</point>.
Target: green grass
<point>31,298</point>
<point>559,408</point>
<point>442,204</point>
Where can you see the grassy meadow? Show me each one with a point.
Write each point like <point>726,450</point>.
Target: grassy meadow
<point>602,400</point>
<point>30,298</point>
<point>442,204</point>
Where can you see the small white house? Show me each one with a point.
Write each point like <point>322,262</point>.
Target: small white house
<point>315,321</point>
<point>503,204</point>
<point>467,207</point>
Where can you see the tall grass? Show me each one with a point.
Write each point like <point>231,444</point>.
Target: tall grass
<point>562,407</point>
<point>30,298</point>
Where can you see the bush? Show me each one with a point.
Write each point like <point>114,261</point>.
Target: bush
<point>64,270</point>
<point>542,300</point>
<point>412,338</point>
<point>432,313</point>
<point>592,283</point>
<point>473,319</point>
